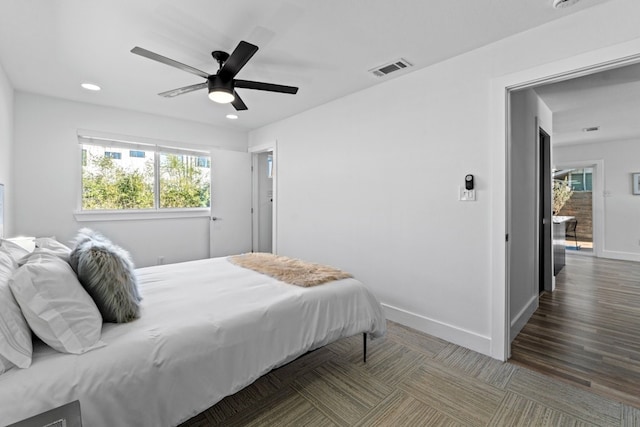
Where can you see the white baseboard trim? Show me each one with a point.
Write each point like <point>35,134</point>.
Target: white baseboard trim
<point>623,256</point>
<point>521,319</point>
<point>454,334</point>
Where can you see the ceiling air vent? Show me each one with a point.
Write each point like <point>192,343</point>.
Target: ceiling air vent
<point>383,70</point>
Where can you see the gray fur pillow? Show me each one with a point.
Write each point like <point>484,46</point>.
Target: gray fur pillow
<point>107,273</point>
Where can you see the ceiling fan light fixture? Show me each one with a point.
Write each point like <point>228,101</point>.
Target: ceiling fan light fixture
<point>221,86</point>
<point>221,96</point>
<point>220,91</point>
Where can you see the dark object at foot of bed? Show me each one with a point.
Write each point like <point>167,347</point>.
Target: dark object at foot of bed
<point>364,347</point>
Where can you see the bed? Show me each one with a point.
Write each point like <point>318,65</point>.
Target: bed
<point>207,329</point>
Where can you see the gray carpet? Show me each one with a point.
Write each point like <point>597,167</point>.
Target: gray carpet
<point>410,379</point>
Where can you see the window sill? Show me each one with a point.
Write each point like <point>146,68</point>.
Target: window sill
<point>93,216</point>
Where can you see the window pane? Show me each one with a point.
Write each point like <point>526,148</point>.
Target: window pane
<point>113,155</point>
<point>185,181</point>
<point>113,181</point>
<point>588,182</point>
<point>581,179</point>
<point>576,181</point>
<point>204,162</point>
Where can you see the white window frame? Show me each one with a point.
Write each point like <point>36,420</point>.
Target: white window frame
<point>143,144</point>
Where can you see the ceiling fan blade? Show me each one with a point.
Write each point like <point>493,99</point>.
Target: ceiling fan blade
<point>239,57</point>
<point>237,103</point>
<point>183,90</point>
<point>151,55</point>
<point>270,87</point>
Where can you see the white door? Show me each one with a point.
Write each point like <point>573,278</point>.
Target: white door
<point>230,225</point>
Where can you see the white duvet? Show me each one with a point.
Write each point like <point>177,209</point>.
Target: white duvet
<point>208,328</point>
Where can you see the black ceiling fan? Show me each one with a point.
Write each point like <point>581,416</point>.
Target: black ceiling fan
<point>221,85</point>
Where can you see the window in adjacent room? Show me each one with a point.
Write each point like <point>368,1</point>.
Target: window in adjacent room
<point>270,166</point>
<point>127,176</point>
<point>581,179</point>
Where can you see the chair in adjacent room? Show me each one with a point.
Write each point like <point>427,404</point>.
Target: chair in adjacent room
<point>571,231</point>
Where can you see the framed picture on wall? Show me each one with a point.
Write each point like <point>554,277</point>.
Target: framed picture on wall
<point>636,183</point>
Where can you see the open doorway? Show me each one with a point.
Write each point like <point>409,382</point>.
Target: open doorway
<point>563,106</point>
<point>263,204</point>
<point>540,344</point>
<point>579,179</point>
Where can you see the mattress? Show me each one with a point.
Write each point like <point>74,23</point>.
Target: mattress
<point>208,328</point>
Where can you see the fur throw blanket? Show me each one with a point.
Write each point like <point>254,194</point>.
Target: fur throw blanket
<point>289,270</point>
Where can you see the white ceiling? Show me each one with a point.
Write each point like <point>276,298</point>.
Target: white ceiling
<point>609,99</point>
<point>325,47</point>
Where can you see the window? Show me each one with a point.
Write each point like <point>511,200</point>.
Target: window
<point>184,183</point>
<point>581,179</point>
<point>125,176</point>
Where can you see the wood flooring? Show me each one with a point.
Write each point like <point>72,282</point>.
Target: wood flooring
<point>587,332</point>
<point>411,379</point>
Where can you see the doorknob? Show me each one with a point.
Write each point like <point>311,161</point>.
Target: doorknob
<point>214,218</point>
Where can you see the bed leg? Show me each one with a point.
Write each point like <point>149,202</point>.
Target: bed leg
<point>364,347</point>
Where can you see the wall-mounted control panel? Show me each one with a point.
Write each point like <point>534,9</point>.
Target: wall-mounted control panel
<point>468,182</point>
<point>467,192</point>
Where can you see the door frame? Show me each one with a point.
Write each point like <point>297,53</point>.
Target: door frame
<point>272,148</point>
<point>544,207</point>
<point>583,64</point>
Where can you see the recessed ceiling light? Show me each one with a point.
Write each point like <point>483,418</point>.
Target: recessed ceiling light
<point>232,116</point>
<point>90,86</point>
<point>559,4</point>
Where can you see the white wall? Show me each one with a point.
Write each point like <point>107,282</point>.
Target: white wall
<point>528,112</point>
<point>369,182</point>
<point>6,148</point>
<point>47,174</point>
<point>621,207</point>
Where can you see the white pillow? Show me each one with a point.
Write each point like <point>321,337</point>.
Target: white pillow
<point>55,247</point>
<point>15,250</point>
<point>55,305</point>
<point>15,335</point>
<point>28,243</point>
